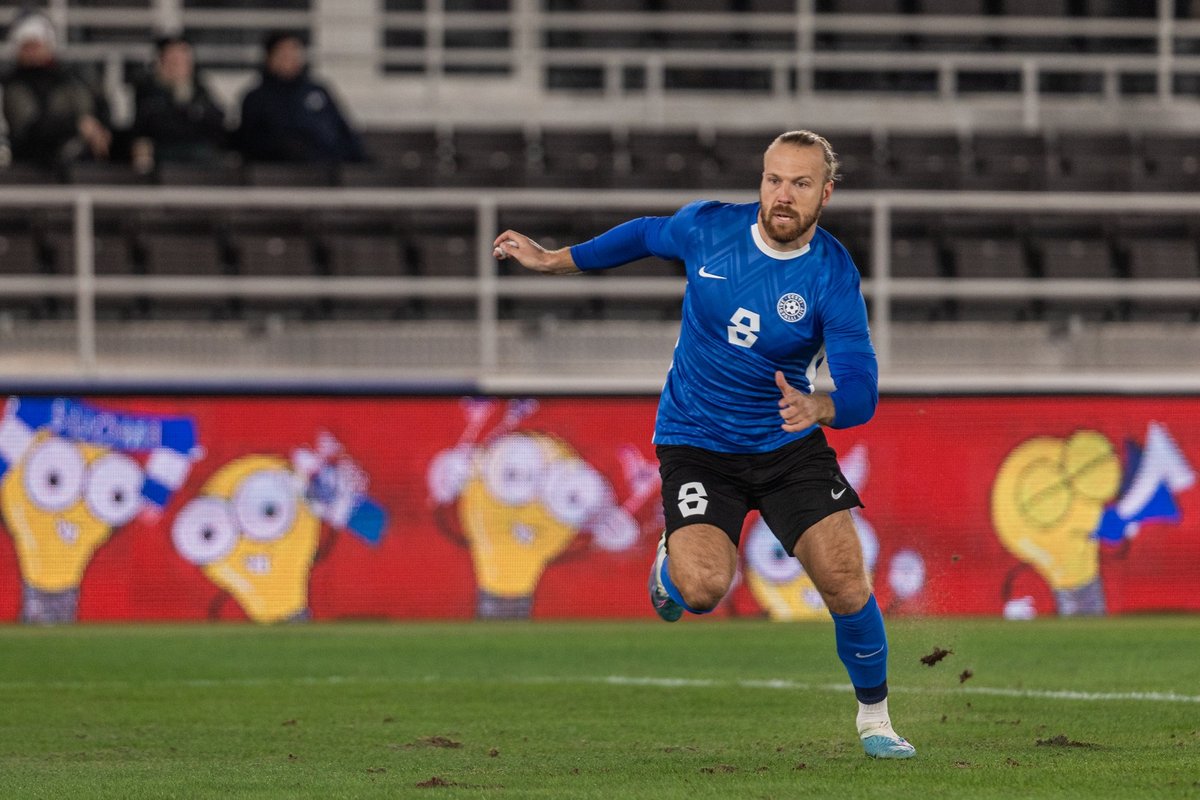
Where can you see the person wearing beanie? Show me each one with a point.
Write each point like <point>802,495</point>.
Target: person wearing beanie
<point>53,115</point>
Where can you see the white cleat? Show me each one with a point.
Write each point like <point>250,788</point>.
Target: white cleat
<point>880,741</point>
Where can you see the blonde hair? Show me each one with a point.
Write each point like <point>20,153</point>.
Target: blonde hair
<point>804,138</point>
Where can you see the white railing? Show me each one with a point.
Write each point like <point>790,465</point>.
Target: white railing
<point>507,82</point>
<point>488,287</point>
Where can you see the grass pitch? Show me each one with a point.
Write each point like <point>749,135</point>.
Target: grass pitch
<point>701,709</point>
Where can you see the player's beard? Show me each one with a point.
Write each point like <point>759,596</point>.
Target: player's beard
<point>798,223</point>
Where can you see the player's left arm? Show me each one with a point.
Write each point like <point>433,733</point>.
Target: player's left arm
<point>852,365</point>
<point>851,356</point>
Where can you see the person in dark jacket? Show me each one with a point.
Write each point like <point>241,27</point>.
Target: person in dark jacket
<point>291,117</point>
<point>53,115</point>
<point>176,118</point>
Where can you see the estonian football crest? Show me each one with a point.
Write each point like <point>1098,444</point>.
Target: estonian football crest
<point>791,307</point>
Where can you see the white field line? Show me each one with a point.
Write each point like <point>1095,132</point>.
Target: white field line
<point>611,680</point>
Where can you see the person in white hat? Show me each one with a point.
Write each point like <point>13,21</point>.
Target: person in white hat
<point>53,115</point>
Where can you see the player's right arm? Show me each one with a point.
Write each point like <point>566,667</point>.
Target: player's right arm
<point>629,241</point>
<point>531,255</point>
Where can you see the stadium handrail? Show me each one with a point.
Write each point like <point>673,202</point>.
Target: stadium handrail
<point>488,285</point>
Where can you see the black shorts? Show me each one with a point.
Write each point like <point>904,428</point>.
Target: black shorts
<point>793,487</point>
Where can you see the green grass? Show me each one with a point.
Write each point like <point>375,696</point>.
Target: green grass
<point>549,710</point>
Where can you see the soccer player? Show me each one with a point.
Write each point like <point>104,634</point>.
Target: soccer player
<point>739,426</point>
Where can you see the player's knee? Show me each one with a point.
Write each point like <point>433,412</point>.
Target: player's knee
<point>848,597</point>
<point>705,593</point>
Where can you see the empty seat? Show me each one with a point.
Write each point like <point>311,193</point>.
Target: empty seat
<point>181,174</point>
<point>102,173</point>
<point>856,155</point>
<point>360,243</point>
<point>922,161</point>
<point>1167,162</point>
<point>1005,162</point>
<point>1162,259</point>
<point>19,248</point>
<point>285,175</point>
<point>365,253</point>
<point>110,250</point>
<point>573,158</point>
<point>1075,258</point>
<point>26,175</point>
<point>405,157</point>
<point>853,230</point>
<point>859,6</point>
<point>738,159</point>
<point>182,252</point>
<point>663,160</point>
<point>1087,161</point>
<point>273,253</point>
<point>916,258</point>
<point>487,158</point>
<point>443,255</point>
<point>987,258</point>
<point>1035,8</point>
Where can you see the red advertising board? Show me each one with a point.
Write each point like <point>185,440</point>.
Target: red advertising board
<point>287,508</point>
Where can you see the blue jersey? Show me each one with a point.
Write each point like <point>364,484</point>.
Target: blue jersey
<point>748,311</point>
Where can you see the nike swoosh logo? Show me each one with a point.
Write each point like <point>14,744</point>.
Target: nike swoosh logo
<point>704,273</point>
<point>837,495</point>
<point>868,655</point>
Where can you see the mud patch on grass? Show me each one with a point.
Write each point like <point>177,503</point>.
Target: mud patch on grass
<point>435,782</point>
<point>965,676</point>
<point>438,741</point>
<point>1061,740</point>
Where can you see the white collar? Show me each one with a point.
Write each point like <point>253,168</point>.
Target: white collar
<point>771,251</point>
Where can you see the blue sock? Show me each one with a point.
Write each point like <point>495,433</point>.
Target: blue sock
<point>664,575</point>
<point>862,646</point>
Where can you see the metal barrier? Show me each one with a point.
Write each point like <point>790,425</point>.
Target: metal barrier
<point>487,287</point>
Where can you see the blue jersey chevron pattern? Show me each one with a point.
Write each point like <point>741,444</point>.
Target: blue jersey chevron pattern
<point>748,311</point>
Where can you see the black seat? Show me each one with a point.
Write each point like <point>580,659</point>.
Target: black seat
<point>182,174</point>
<point>488,158</point>
<point>922,161</point>
<point>287,175</point>
<point>1167,162</point>
<point>1090,161</point>
<point>663,160</point>
<point>20,250</point>
<point>1005,162</point>
<point>103,173</point>
<point>401,158</point>
<point>1156,258</point>
<point>991,258</point>
<point>582,158</point>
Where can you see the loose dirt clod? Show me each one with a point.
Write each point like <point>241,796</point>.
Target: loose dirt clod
<point>937,655</point>
<point>435,782</point>
<point>965,675</point>
<point>718,768</point>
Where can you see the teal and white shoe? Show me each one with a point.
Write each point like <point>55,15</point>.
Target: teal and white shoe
<point>664,606</point>
<point>880,741</point>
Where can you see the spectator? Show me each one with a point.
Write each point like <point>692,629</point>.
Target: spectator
<point>53,115</point>
<point>176,117</point>
<point>291,117</point>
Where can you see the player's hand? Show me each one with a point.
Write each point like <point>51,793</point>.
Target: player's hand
<point>800,410</point>
<point>531,255</point>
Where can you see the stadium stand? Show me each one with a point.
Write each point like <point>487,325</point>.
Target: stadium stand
<point>1007,101</point>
